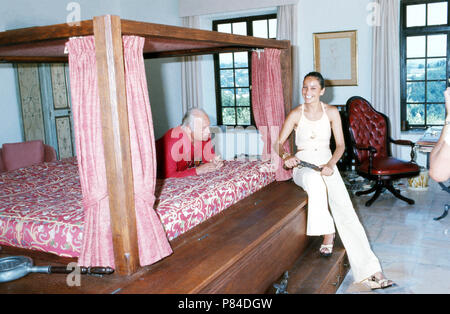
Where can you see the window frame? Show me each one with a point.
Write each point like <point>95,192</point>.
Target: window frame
<point>218,88</point>
<point>419,31</point>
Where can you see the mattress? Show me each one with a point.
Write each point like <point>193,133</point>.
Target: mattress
<point>41,206</point>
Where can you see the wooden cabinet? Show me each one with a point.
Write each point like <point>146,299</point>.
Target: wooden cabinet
<point>45,105</point>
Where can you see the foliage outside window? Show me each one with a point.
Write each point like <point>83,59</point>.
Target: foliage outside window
<point>233,69</point>
<point>424,60</point>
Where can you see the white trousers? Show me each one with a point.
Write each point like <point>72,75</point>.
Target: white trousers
<point>330,190</point>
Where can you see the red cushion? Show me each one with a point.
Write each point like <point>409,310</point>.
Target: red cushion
<point>389,166</point>
<point>24,154</point>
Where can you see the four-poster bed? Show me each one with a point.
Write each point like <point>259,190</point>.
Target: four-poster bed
<point>243,249</point>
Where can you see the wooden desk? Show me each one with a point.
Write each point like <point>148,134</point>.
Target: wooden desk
<point>426,144</point>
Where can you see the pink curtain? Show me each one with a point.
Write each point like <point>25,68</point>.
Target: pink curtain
<point>97,247</point>
<point>268,105</point>
<point>152,240</point>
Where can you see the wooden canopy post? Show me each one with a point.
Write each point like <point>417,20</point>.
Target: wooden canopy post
<point>116,141</point>
<point>286,78</point>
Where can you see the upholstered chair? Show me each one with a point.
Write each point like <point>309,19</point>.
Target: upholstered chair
<point>370,139</point>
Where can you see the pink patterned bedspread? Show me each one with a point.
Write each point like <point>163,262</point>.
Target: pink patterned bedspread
<point>41,206</point>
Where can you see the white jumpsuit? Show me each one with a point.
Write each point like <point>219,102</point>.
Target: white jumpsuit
<point>313,142</point>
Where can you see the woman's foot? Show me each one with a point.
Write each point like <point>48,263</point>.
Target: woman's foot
<point>326,249</point>
<point>378,281</point>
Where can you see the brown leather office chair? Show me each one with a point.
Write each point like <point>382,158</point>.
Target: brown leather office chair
<point>370,140</point>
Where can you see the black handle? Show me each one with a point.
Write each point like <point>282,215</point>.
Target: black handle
<point>83,270</point>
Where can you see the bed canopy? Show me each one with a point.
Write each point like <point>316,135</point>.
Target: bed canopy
<point>47,44</point>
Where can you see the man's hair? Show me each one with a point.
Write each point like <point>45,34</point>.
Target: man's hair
<point>191,114</point>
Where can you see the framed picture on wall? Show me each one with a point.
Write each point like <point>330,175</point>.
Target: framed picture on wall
<point>335,56</point>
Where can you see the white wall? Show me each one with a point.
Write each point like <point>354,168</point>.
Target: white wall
<point>164,88</point>
<point>10,121</point>
<point>163,75</point>
<point>316,17</point>
<point>313,17</point>
<point>331,16</point>
<point>207,7</point>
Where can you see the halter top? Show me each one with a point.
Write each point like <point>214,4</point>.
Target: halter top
<point>312,138</point>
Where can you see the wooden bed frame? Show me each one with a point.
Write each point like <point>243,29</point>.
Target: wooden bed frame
<point>241,250</point>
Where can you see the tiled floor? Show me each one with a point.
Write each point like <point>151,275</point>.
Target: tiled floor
<point>414,249</point>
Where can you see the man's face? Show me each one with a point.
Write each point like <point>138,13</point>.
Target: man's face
<point>201,131</point>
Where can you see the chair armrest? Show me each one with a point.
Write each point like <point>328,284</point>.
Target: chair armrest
<point>371,149</point>
<point>402,142</point>
<point>406,143</point>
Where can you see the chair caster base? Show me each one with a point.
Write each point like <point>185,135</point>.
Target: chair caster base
<point>379,187</point>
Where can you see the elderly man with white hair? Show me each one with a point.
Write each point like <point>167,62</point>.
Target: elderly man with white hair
<point>186,150</point>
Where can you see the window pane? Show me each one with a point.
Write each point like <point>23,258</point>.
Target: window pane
<point>435,113</point>
<point>415,15</point>
<point>260,28</point>
<point>224,28</point>
<point>437,46</point>
<point>226,78</point>
<point>243,97</point>
<point>415,47</point>
<point>240,28</point>
<point>226,60</point>
<point>228,116</point>
<point>272,28</point>
<point>415,113</point>
<point>228,97</point>
<point>243,116</point>
<point>241,59</point>
<point>436,69</point>
<point>435,91</point>
<point>415,69</point>
<point>437,13</point>
<point>242,77</point>
<point>415,92</point>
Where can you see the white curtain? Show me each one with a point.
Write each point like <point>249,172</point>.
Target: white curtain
<point>191,78</point>
<point>287,29</point>
<point>386,65</point>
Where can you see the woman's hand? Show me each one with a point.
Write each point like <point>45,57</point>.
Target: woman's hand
<point>327,170</point>
<point>291,162</point>
<point>447,100</point>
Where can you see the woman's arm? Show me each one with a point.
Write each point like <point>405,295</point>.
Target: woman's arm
<point>288,126</point>
<point>336,126</point>
<point>440,155</point>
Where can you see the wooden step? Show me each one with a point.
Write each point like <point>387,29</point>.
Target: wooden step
<point>314,274</point>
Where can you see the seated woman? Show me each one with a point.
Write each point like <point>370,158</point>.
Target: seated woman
<point>187,149</point>
<point>313,123</point>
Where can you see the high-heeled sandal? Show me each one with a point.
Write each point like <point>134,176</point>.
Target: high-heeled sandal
<point>375,283</point>
<point>326,250</point>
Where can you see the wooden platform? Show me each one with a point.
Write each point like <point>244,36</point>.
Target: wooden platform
<point>244,249</point>
<point>314,274</point>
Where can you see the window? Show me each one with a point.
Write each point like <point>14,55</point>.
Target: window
<point>233,70</point>
<point>425,31</point>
